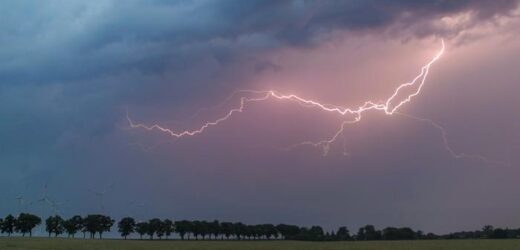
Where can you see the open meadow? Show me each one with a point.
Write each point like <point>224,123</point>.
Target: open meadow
<point>46,243</point>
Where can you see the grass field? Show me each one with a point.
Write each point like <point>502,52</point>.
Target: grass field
<point>45,243</point>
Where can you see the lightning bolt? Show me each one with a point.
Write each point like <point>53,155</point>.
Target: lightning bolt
<point>352,115</point>
<point>446,143</point>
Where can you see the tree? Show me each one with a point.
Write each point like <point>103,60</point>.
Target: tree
<point>283,229</point>
<point>193,228</point>
<point>404,233</point>
<point>239,230</point>
<point>198,229</point>
<point>360,234</point>
<point>54,225</point>
<point>420,234</point>
<point>126,226</point>
<point>105,224</point>
<point>257,231</point>
<point>248,231</point>
<point>154,225</point>
<point>97,223</point>
<point>168,227</point>
<point>316,233</point>
<point>73,225</point>
<point>90,224</point>
<point>160,231</point>
<point>141,228</point>
<point>84,229</point>
<point>214,228</point>
<point>288,231</point>
<point>8,225</point>
<point>26,223</point>
<point>182,228</point>
<point>227,229</point>
<point>269,230</point>
<point>500,233</point>
<point>488,231</point>
<point>371,233</point>
<point>204,229</point>
<point>343,234</point>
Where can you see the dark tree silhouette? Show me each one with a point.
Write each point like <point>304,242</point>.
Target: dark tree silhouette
<point>196,229</point>
<point>371,233</point>
<point>500,233</point>
<point>343,234</point>
<point>73,225</point>
<point>249,231</point>
<point>204,229</point>
<point>141,228</point>
<point>168,227</point>
<point>54,225</point>
<point>105,224</point>
<point>404,233</point>
<point>239,230</point>
<point>257,231</point>
<point>126,226</point>
<point>360,234</point>
<point>288,231</point>
<point>160,231</point>
<point>91,224</point>
<point>182,228</point>
<point>97,223</point>
<point>8,225</point>
<point>214,228</point>
<point>26,223</point>
<point>316,233</point>
<point>227,229</point>
<point>488,231</point>
<point>153,226</point>
<point>84,228</point>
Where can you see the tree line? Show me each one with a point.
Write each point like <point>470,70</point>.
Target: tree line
<point>96,225</point>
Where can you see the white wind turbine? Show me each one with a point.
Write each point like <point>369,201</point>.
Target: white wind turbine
<point>21,202</point>
<point>137,209</point>
<point>44,200</point>
<point>55,205</point>
<point>100,195</point>
<point>23,205</point>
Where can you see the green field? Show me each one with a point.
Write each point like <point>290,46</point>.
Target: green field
<point>45,243</point>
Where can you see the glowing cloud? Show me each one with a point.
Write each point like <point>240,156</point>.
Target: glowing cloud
<point>352,115</point>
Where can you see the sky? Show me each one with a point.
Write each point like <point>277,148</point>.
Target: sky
<point>71,71</point>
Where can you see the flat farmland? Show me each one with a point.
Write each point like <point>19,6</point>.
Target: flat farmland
<point>60,243</point>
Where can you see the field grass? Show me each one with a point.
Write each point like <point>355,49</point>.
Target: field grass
<point>46,243</point>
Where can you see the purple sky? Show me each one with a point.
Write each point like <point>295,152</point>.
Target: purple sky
<point>69,72</point>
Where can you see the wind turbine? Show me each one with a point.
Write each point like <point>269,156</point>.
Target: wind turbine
<point>44,200</point>
<point>20,201</point>
<point>100,195</point>
<point>55,204</point>
<point>137,208</point>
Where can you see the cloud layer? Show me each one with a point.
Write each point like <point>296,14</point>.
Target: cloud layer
<point>69,70</point>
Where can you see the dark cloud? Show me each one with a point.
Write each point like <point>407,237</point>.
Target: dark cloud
<point>111,37</point>
<point>69,69</point>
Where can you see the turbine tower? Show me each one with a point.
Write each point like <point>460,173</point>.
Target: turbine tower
<point>100,196</point>
<point>44,200</point>
<point>137,209</point>
<point>20,200</point>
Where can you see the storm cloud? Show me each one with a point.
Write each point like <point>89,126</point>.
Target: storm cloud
<point>69,70</point>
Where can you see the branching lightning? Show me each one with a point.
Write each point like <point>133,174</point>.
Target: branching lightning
<point>352,115</point>
<point>446,143</point>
